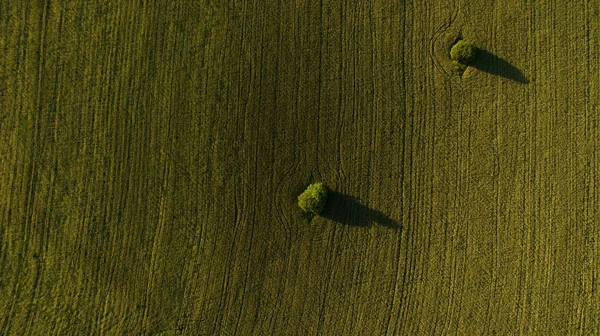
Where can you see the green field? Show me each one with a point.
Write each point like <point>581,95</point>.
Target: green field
<point>152,154</point>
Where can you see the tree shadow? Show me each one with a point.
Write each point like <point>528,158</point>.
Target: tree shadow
<point>347,210</point>
<point>494,65</point>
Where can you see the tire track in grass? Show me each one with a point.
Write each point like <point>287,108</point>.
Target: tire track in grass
<point>449,255</point>
<point>497,223</point>
<point>446,131</point>
<point>457,201</point>
<point>45,230</point>
<point>329,63</point>
<point>158,233</point>
<point>356,70</point>
<point>204,235</point>
<point>247,270</point>
<point>167,136</point>
<point>414,161</point>
<point>190,292</point>
<point>257,151</point>
<point>409,256</point>
<point>591,319</point>
<point>114,201</point>
<point>105,321</point>
<point>30,187</point>
<point>38,272</point>
<point>548,253</point>
<point>7,81</point>
<point>587,198</point>
<point>497,199</point>
<point>463,177</point>
<point>530,211</point>
<point>426,143</point>
<point>330,257</point>
<point>523,301</point>
<point>282,190</point>
<point>340,118</point>
<point>432,176</point>
<point>201,228</point>
<point>439,32</point>
<point>482,198</point>
<point>397,286</point>
<point>530,175</point>
<point>240,221</point>
<point>585,181</point>
<point>98,210</point>
<point>287,181</point>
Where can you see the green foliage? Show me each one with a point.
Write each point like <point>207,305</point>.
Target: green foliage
<point>313,199</point>
<point>463,52</point>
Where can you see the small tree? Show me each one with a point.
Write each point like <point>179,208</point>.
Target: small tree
<point>463,53</point>
<point>313,199</point>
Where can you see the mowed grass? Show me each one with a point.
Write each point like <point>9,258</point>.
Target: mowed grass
<point>152,155</point>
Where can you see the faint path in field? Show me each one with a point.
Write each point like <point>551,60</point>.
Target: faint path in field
<point>439,43</point>
<point>348,210</point>
<point>494,65</point>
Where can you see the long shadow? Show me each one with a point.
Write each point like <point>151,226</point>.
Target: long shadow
<point>347,210</point>
<point>492,64</point>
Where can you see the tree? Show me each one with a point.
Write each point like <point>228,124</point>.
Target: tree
<point>463,53</point>
<point>313,199</point>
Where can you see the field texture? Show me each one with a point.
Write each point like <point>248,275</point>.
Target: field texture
<point>152,153</point>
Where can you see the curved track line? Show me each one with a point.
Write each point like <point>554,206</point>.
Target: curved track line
<point>156,241</point>
<point>436,36</point>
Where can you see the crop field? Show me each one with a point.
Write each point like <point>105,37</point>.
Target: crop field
<point>152,154</point>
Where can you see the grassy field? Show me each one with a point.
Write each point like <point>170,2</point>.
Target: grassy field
<point>152,153</point>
